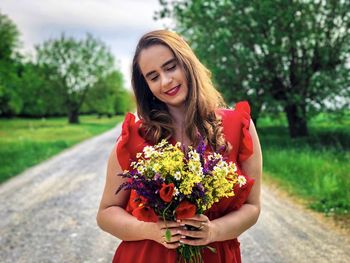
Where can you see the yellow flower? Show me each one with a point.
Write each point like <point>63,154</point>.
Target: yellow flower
<point>189,180</point>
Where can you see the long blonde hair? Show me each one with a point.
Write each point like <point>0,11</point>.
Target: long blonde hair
<point>201,103</point>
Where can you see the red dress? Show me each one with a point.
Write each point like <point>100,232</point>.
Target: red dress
<point>235,128</point>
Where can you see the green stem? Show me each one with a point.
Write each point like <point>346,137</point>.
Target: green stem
<point>167,232</point>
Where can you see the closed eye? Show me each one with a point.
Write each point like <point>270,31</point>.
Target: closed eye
<point>154,78</point>
<point>171,68</point>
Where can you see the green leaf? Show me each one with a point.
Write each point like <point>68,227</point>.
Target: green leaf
<point>167,234</point>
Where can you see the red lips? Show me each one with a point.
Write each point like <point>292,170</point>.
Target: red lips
<point>173,91</point>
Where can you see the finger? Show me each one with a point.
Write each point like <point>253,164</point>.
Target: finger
<point>202,225</point>
<point>169,224</point>
<point>173,232</point>
<point>193,242</point>
<point>196,218</point>
<point>173,239</point>
<point>172,245</point>
<point>199,217</point>
<point>194,223</point>
<point>190,233</point>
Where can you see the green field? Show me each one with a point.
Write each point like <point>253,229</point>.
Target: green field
<point>316,168</point>
<point>26,142</point>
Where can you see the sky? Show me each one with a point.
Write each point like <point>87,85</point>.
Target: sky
<point>118,23</point>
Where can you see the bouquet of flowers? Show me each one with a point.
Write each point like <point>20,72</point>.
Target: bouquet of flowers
<point>174,183</point>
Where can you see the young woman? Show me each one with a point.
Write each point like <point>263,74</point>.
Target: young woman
<point>176,100</point>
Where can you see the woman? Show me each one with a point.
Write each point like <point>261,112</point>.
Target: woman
<point>177,101</point>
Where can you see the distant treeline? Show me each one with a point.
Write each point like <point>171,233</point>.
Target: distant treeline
<point>67,76</point>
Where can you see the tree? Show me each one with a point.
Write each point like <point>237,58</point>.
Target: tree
<point>38,96</point>
<point>74,67</point>
<point>9,38</point>
<point>124,102</point>
<point>292,55</point>
<point>102,96</point>
<point>10,69</point>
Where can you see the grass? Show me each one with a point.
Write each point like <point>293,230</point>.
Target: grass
<point>316,168</point>
<point>26,142</point>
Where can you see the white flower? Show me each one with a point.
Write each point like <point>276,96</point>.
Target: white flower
<point>241,180</point>
<point>148,150</point>
<point>194,156</point>
<point>176,191</point>
<point>177,175</point>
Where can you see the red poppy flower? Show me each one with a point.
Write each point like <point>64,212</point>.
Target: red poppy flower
<point>185,210</point>
<point>167,192</point>
<point>145,213</point>
<point>135,201</point>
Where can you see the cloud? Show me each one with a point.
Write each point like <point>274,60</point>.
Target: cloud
<point>118,23</point>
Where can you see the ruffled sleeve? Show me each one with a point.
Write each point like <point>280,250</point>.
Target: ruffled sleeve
<point>245,150</point>
<point>123,154</point>
<point>246,143</point>
<point>129,141</point>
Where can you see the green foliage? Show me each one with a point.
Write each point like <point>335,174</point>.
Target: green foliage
<point>10,101</point>
<point>284,55</point>
<point>66,72</point>
<point>315,168</point>
<point>9,38</point>
<point>105,93</point>
<point>39,97</point>
<point>26,142</point>
<point>75,66</point>
<point>124,102</point>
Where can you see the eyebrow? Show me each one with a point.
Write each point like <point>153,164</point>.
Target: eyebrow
<point>164,65</point>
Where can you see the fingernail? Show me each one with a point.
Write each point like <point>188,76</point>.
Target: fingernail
<point>184,237</point>
<point>178,221</point>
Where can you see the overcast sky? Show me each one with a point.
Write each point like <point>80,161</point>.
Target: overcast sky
<point>118,23</point>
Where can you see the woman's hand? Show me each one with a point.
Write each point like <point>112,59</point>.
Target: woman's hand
<point>201,236</point>
<point>159,233</point>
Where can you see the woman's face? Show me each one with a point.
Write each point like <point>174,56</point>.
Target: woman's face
<point>164,75</point>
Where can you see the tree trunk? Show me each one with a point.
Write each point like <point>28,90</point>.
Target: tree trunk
<point>297,123</point>
<point>73,116</point>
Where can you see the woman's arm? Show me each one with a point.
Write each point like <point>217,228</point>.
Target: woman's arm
<point>235,223</point>
<point>114,219</point>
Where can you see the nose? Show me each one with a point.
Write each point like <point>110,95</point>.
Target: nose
<point>166,80</point>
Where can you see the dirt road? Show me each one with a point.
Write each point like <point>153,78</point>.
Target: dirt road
<point>48,215</point>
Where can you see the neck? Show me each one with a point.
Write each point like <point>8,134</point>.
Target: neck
<point>178,115</point>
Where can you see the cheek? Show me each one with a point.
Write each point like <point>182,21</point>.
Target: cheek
<point>153,88</point>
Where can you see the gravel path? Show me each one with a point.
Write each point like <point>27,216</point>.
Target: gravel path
<point>48,215</point>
